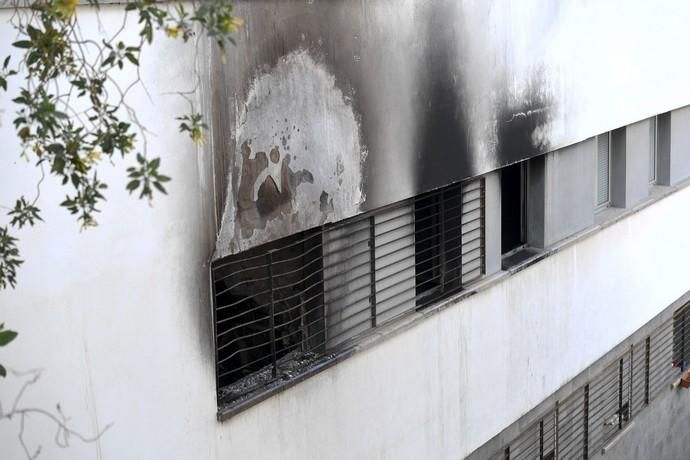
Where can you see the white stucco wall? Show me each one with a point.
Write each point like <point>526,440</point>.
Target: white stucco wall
<point>116,314</point>
<point>119,319</point>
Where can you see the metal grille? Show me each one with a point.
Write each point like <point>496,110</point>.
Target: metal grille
<point>590,417</point>
<point>603,168</point>
<point>283,307</point>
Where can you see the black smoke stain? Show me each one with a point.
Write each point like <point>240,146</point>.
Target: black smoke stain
<point>443,154</point>
<point>520,121</point>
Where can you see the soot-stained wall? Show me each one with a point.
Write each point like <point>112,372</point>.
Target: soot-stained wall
<point>330,108</point>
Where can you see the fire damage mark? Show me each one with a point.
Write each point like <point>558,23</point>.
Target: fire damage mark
<point>523,121</point>
<point>272,199</point>
<point>296,136</point>
<point>326,204</point>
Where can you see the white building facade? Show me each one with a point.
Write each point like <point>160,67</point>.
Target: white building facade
<point>413,223</point>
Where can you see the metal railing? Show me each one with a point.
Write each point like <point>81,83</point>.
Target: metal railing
<point>589,418</point>
<point>282,307</point>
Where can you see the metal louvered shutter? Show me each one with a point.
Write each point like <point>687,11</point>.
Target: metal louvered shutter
<point>603,169</point>
<point>472,230</point>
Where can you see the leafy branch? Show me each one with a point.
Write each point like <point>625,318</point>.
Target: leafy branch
<point>71,114</point>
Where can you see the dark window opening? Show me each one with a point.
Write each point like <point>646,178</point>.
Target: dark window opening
<point>438,244</point>
<point>513,207</point>
<point>269,303</point>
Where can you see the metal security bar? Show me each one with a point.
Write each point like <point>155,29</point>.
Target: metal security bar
<point>282,307</point>
<point>589,418</point>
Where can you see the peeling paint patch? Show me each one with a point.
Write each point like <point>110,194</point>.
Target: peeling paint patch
<point>295,106</point>
<point>261,197</point>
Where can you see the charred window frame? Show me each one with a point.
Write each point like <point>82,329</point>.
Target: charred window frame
<point>269,304</point>
<point>291,306</point>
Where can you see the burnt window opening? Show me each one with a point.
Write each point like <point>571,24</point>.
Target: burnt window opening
<point>292,305</point>
<point>513,207</point>
<point>269,304</point>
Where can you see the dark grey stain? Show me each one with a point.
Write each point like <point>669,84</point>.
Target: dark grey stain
<point>439,150</point>
<point>519,120</point>
<point>442,148</point>
<point>325,206</point>
<point>271,201</point>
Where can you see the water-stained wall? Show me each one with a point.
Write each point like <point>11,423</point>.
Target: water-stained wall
<point>330,108</point>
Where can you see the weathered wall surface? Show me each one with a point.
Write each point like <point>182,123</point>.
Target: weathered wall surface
<point>393,98</point>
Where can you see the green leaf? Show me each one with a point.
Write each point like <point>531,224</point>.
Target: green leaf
<point>133,185</point>
<point>6,336</point>
<point>33,32</point>
<point>132,59</point>
<point>24,44</point>
<point>3,372</point>
<point>33,57</point>
<point>160,188</point>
